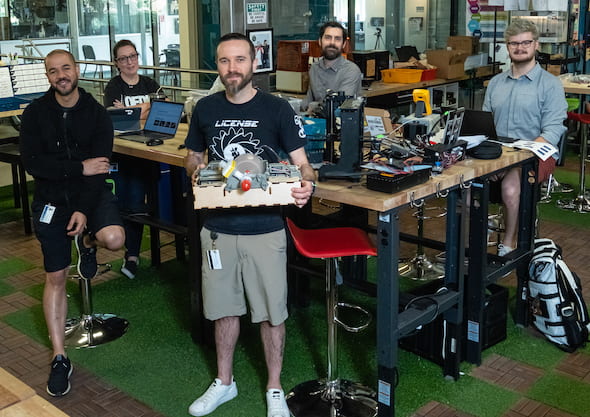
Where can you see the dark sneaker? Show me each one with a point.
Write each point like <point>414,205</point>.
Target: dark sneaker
<point>129,268</point>
<point>87,267</point>
<point>59,377</point>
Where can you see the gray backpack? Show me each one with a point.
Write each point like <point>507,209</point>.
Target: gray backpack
<point>555,298</point>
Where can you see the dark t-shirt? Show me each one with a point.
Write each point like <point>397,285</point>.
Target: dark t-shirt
<point>129,95</point>
<point>264,126</point>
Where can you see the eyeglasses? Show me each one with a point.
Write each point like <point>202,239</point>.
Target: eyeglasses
<point>129,58</point>
<point>524,44</point>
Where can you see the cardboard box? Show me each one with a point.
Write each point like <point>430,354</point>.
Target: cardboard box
<point>450,64</point>
<point>295,55</point>
<point>292,81</point>
<point>469,44</point>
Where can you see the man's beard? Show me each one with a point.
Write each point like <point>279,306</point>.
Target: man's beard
<point>63,93</point>
<point>234,88</point>
<point>522,58</point>
<point>331,54</point>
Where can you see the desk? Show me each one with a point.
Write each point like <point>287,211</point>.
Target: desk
<point>391,325</point>
<point>10,153</point>
<point>168,153</point>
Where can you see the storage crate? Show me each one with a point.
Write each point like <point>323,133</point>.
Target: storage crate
<point>429,74</point>
<point>315,148</point>
<point>401,75</point>
<point>428,341</point>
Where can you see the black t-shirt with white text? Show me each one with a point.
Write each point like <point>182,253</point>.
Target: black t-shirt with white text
<point>264,126</point>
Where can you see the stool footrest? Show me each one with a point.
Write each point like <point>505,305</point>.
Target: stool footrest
<point>157,223</point>
<point>349,328</point>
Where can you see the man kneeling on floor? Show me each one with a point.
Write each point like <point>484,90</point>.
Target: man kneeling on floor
<point>66,141</point>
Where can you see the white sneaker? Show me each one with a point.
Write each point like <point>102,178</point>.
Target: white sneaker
<point>216,394</point>
<point>276,404</point>
<point>504,250</point>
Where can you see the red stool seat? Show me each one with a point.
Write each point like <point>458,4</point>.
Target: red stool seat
<point>332,242</point>
<point>579,117</point>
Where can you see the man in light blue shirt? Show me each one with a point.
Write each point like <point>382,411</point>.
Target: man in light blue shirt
<point>528,103</point>
<point>332,71</point>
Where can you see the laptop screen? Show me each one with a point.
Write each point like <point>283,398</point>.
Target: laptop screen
<point>478,122</point>
<point>164,117</point>
<point>125,120</point>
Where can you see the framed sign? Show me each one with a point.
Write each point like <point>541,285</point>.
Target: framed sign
<point>262,40</point>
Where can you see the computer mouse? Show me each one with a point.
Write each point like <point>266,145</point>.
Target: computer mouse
<point>154,142</point>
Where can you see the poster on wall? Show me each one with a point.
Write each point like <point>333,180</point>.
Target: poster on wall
<point>256,13</point>
<point>486,20</point>
<point>262,40</point>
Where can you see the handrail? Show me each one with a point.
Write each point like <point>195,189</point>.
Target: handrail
<point>175,90</point>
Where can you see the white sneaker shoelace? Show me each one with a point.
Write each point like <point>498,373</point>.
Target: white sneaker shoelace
<point>277,406</point>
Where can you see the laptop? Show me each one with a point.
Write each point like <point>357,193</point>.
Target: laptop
<point>479,122</point>
<point>125,120</point>
<point>162,122</point>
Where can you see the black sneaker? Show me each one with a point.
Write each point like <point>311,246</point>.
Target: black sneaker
<point>59,377</point>
<point>87,267</point>
<point>129,268</point>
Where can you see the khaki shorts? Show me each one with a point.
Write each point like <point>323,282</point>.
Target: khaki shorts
<point>254,267</point>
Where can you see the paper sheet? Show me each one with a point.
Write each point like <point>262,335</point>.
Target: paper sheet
<point>540,149</point>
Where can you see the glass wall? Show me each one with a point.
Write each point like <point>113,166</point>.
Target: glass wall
<point>34,27</point>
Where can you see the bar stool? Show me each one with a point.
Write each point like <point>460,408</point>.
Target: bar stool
<point>332,397</point>
<point>580,204</point>
<point>92,329</point>
<point>421,267</point>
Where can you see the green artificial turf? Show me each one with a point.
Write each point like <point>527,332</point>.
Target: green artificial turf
<point>158,363</point>
<point>8,268</point>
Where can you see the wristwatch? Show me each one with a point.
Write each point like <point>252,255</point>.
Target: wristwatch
<point>312,187</point>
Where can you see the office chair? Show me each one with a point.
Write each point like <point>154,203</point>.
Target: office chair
<point>89,55</point>
<point>172,61</point>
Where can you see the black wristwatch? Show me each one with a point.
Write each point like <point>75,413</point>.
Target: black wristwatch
<point>312,187</point>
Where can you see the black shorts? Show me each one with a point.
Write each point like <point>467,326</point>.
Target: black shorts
<point>56,245</point>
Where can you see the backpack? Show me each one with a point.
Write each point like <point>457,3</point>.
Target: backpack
<point>555,298</point>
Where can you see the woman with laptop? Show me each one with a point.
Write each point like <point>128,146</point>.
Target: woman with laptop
<point>131,175</point>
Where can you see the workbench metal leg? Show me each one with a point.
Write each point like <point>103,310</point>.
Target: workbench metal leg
<point>387,311</point>
<point>476,283</point>
<point>454,274</point>
<point>527,221</point>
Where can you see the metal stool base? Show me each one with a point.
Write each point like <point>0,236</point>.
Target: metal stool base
<point>420,268</point>
<point>93,330</point>
<point>340,398</point>
<point>579,204</point>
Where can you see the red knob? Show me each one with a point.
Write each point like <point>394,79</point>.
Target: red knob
<point>246,184</point>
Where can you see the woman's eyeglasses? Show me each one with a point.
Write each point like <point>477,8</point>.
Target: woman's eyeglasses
<point>128,58</point>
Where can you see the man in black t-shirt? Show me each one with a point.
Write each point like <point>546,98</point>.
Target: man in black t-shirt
<point>248,243</point>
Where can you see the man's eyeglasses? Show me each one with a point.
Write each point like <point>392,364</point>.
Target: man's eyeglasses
<point>524,44</point>
<point>128,58</point>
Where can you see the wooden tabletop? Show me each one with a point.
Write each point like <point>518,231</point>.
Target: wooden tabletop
<point>576,88</point>
<point>379,88</point>
<point>357,194</point>
<point>168,152</point>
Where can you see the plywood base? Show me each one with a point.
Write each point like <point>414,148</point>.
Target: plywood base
<point>32,407</point>
<point>215,195</point>
<point>12,390</point>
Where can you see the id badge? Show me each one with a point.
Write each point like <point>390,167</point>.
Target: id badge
<point>214,259</point>
<point>47,214</point>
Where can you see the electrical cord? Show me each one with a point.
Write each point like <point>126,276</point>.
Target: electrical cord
<point>441,290</point>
